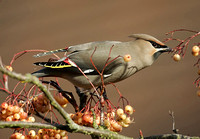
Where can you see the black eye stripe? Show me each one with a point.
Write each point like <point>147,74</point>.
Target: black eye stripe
<point>155,44</point>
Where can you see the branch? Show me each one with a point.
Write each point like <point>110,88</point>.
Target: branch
<point>28,125</point>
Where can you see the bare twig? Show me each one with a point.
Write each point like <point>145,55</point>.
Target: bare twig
<point>175,130</point>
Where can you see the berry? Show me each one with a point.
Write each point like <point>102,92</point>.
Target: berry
<point>127,58</point>
<point>9,118</point>
<point>122,117</point>
<point>16,116</point>
<point>57,136</point>
<point>4,105</point>
<point>124,124</point>
<point>32,133</point>
<point>23,115</point>
<point>195,53</point>
<point>198,93</point>
<point>60,99</point>
<point>177,57</point>
<point>9,68</point>
<point>127,120</point>
<point>86,118</point>
<point>116,126</point>
<point>195,49</point>
<point>63,133</point>
<point>16,109</point>
<point>129,109</point>
<point>10,108</point>
<point>31,119</point>
<point>120,111</point>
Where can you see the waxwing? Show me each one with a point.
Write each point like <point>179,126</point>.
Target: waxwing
<point>118,60</point>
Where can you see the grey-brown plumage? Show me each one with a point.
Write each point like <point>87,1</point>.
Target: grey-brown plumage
<point>144,50</point>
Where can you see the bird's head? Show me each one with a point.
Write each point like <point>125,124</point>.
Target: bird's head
<point>152,45</point>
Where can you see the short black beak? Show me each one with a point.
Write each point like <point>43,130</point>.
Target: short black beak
<point>165,49</point>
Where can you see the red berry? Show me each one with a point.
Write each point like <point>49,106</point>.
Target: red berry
<point>86,118</point>
<point>4,105</point>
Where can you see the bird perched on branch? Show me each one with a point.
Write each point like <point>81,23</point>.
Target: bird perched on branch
<point>114,59</point>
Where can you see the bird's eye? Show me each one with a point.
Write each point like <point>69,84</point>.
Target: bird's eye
<point>155,44</point>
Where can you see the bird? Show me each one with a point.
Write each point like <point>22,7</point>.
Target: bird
<point>116,61</point>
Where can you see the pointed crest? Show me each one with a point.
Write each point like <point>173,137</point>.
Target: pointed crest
<point>146,37</point>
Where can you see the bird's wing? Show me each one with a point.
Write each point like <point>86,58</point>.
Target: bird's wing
<point>74,48</point>
<point>81,56</point>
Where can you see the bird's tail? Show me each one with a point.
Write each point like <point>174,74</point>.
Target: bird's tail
<point>50,52</point>
<point>45,72</point>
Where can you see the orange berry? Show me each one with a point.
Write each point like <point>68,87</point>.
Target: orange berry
<point>117,127</point>
<point>3,111</point>
<point>127,58</point>
<point>4,105</point>
<point>10,108</point>
<point>80,121</point>
<point>195,53</point>
<point>57,136</point>
<point>86,118</point>
<point>63,133</point>
<point>124,124</point>
<point>28,137</point>
<point>16,109</point>
<point>122,117</point>
<point>177,57</point>
<point>199,71</point>
<point>57,131</point>
<point>107,123</point>
<point>9,68</point>
<point>60,99</point>
<point>31,119</point>
<point>23,120</point>
<point>127,120</point>
<point>23,115</point>
<point>32,133</point>
<point>98,120</point>
<point>9,118</point>
<point>198,93</point>
<point>129,109</point>
<point>36,137</point>
<point>16,116</point>
<point>46,136</point>
<point>195,49</point>
<point>40,132</point>
<point>16,135</point>
<point>23,137</point>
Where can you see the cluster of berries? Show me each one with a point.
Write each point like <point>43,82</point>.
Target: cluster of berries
<point>111,122</point>
<point>42,104</point>
<point>41,134</point>
<point>14,113</point>
<point>195,52</point>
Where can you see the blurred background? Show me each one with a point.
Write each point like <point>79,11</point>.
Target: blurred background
<point>166,85</point>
